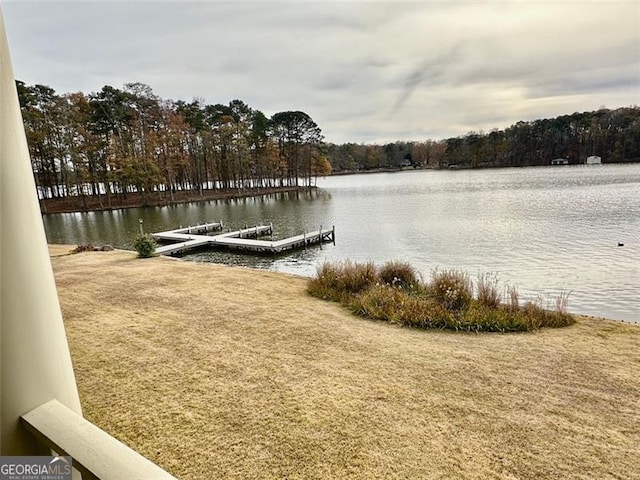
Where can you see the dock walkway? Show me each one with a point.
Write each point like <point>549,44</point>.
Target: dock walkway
<point>245,239</point>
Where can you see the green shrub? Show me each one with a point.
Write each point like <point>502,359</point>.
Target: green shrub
<point>453,289</point>
<point>398,274</point>
<point>145,245</point>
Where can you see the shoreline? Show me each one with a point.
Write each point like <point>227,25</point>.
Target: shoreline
<point>59,250</point>
<point>76,204</point>
<point>91,203</point>
<point>465,167</point>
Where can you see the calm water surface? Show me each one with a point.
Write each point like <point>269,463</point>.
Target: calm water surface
<point>544,230</point>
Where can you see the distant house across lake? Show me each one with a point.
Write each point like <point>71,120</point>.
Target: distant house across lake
<point>593,160</point>
<point>406,163</point>
<point>560,161</point>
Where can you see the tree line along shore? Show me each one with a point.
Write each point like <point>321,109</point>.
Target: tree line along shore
<point>88,203</point>
<point>128,147</point>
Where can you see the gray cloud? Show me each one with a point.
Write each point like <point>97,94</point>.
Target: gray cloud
<point>365,71</point>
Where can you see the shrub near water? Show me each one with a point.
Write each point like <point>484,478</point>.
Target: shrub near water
<point>394,294</point>
<point>145,245</point>
<point>453,289</point>
<point>357,277</point>
<point>395,305</point>
<point>487,287</point>
<point>380,302</point>
<point>340,281</point>
<point>398,274</point>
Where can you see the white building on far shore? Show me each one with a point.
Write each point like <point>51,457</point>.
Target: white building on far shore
<point>593,160</point>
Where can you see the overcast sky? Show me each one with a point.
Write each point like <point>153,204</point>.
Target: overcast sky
<point>364,71</point>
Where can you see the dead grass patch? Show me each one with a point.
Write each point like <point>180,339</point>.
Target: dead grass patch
<point>219,372</point>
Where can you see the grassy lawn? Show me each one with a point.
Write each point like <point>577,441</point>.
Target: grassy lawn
<point>220,372</point>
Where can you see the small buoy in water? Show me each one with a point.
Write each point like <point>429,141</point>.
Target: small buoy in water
<point>620,244</point>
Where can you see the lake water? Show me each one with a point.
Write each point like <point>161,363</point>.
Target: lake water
<point>541,229</point>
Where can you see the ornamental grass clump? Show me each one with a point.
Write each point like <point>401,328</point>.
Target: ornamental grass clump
<point>394,293</point>
<point>398,274</point>
<point>424,312</point>
<point>538,317</point>
<point>380,302</point>
<point>354,278</point>
<point>325,284</point>
<point>487,290</point>
<point>338,282</point>
<point>453,289</point>
<point>402,307</point>
<point>480,317</point>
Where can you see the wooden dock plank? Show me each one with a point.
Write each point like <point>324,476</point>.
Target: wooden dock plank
<point>171,236</point>
<point>182,246</point>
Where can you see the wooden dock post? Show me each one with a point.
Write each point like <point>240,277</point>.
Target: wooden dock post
<point>304,239</point>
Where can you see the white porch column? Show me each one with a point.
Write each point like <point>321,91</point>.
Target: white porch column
<point>35,364</point>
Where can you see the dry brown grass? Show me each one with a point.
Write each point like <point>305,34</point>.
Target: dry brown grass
<point>219,372</point>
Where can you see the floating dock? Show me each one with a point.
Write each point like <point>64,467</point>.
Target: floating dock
<point>246,239</point>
